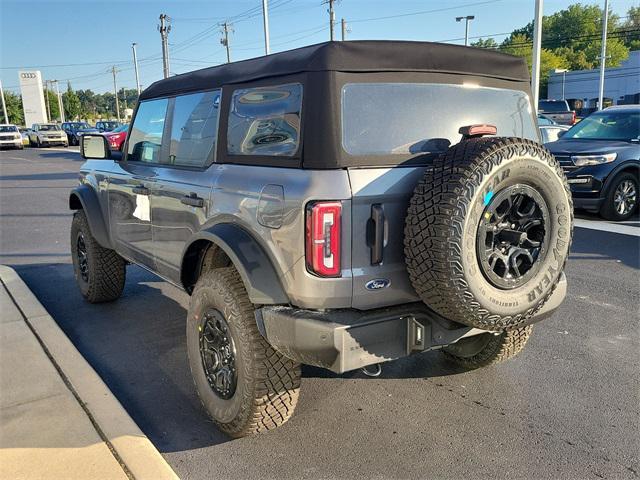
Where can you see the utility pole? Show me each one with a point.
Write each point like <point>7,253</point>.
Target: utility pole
<point>46,95</point>
<point>535,64</point>
<point>115,91</point>
<point>332,18</point>
<point>60,105</point>
<point>135,66</point>
<point>265,20</point>
<point>466,19</point>
<point>603,53</point>
<point>4,105</point>
<point>343,23</point>
<point>226,28</point>
<point>164,28</point>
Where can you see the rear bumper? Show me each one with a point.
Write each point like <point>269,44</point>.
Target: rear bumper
<point>347,339</point>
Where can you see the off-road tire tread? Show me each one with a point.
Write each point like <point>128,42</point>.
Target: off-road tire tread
<point>275,379</point>
<point>500,348</point>
<point>435,221</point>
<point>108,269</point>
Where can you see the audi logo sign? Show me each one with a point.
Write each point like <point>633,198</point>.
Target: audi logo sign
<point>32,97</point>
<point>28,75</point>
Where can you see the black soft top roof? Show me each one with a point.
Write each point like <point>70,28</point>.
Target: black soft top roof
<point>351,56</point>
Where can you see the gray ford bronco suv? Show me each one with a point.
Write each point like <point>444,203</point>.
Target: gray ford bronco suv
<point>338,205</point>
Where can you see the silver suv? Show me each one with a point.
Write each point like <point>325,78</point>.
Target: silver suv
<point>339,205</point>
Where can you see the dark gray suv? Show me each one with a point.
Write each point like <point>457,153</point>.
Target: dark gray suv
<point>339,205</point>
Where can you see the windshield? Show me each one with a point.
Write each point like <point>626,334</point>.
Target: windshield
<point>553,107</point>
<point>121,128</point>
<point>109,125</point>
<point>78,126</point>
<point>607,125</point>
<point>424,118</point>
<point>8,128</point>
<point>48,128</point>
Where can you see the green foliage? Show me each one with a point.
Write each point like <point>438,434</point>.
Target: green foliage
<point>482,43</point>
<point>53,105</point>
<point>71,103</point>
<point>14,108</point>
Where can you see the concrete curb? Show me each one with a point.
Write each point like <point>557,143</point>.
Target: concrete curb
<point>130,446</point>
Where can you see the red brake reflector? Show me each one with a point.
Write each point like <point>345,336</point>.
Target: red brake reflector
<point>478,130</point>
<point>323,238</point>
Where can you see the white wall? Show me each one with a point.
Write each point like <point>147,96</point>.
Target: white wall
<point>32,98</point>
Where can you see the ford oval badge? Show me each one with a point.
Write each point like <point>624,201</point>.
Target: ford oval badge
<point>377,284</point>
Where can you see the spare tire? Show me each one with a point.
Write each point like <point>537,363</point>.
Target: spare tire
<point>488,232</point>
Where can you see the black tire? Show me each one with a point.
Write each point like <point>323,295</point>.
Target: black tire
<point>267,384</point>
<point>105,273</point>
<point>449,222</point>
<point>610,207</point>
<point>488,349</point>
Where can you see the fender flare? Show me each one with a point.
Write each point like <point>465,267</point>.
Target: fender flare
<point>83,197</point>
<point>249,258</point>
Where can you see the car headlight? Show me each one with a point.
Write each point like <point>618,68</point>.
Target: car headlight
<point>584,160</point>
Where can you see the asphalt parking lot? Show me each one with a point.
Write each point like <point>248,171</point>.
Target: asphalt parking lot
<point>568,407</point>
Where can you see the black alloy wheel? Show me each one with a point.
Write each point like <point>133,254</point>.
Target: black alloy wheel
<point>83,262</point>
<point>218,354</point>
<point>511,236</point>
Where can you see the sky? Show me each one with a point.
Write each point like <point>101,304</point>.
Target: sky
<point>80,40</point>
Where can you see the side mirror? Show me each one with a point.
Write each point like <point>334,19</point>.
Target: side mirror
<point>94,147</point>
<point>561,133</point>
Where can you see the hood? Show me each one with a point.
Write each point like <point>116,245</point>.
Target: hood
<point>572,146</point>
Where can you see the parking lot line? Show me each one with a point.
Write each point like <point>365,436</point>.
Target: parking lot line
<point>607,227</point>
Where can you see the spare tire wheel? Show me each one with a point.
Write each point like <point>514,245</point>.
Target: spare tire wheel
<point>488,232</point>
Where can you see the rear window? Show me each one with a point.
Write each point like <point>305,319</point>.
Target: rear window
<point>412,118</point>
<point>558,106</point>
<point>265,121</point>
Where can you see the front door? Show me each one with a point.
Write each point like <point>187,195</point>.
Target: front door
<point>181,194</point>
<point>132,182</point>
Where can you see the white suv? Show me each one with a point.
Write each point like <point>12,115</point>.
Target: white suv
<point>47,134</point>
<point>10,136</point>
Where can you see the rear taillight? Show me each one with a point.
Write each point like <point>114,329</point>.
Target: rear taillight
<point>573,118</point>
<point>323,238</point>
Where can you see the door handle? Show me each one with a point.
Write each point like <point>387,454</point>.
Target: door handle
<point>377,244</point>
<point>140,190</point>
<point>192,200</point>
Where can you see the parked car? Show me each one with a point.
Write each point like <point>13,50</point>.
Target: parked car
<point>117,137</point>
<point>24,133</point>
<point>601,157</point>
<point>107,126</point>
<point>558,111</point>
<point>42,134</point>
<point>75,129</point>
<point>550,130</point>
<point>340,205</point>
<point>10,136</point>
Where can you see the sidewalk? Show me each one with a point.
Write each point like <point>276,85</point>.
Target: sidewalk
<point>57,418</point>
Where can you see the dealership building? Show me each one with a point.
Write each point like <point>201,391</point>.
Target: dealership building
<point>580,87</point>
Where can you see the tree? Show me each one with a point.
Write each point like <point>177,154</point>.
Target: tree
<point>15,111</point>
<point>482,43</point>
<point>52,98</point>
<point>71,103</point>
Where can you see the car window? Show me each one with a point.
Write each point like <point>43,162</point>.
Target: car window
<point>542,120</point>
<point>557,106</point>
<point>265,121</point>
<point>146,134</point>
<point>424,118</point>
<point>607,125</point>
<point>194,129</point>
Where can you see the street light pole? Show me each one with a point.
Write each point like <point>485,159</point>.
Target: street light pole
<point>4,105</point>
<point>535,64</point>
<point>60,104</point>
<point>603,53</point>
<point>466,19</point>
<point>164,28</point>
<point>265,20</point>
<point>135,66</point>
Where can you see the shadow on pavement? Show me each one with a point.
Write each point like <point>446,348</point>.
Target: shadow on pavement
<point>137,345</point>
<point>42,176</point>
<point>598,245</point>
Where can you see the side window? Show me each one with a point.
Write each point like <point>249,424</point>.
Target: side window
<point>194,129</point>
<point>265,121</point>
<point>145,139</point>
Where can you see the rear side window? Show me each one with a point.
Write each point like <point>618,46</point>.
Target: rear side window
<point>558,106</point>
<point>145,139</point>
<point>194,129</point>
<point>265,121</point>
<point>424,118</point>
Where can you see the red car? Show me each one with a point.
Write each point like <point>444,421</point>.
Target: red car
<point>117,137</point>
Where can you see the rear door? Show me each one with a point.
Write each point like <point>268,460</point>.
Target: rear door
<point>132,181</point>
<point>181,194</point>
